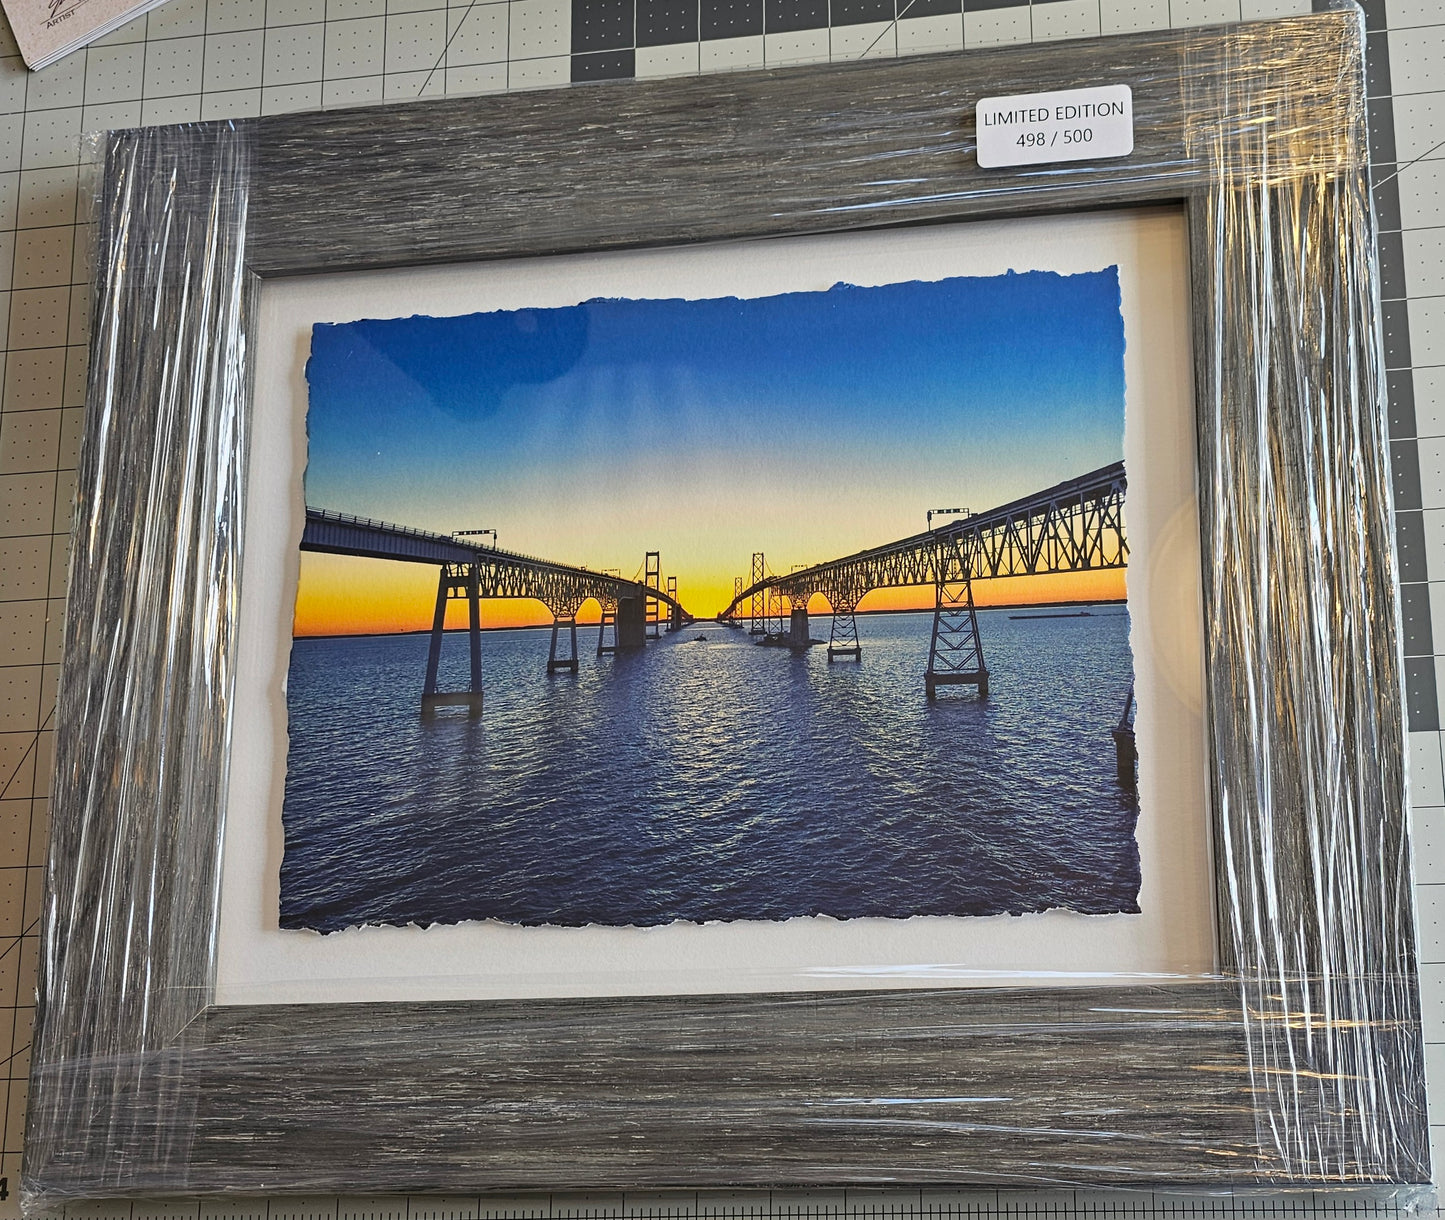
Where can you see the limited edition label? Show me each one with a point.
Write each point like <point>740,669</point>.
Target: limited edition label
<point>1068,125</point>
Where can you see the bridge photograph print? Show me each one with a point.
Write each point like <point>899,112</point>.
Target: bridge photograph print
<point>666,609</point>
<point>526,686</point>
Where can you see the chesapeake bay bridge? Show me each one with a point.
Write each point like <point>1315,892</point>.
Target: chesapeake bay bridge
<point>1075,526</point>
<point>633,611</point>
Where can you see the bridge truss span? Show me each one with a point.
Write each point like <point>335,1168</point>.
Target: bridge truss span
<point>474,573</point>
<point>1077,526</point>
<point>1074,526</point>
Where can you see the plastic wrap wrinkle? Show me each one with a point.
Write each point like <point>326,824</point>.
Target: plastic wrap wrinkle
<point>1281,203</point>
<point>1299,1065</point>
<point>158,523</point>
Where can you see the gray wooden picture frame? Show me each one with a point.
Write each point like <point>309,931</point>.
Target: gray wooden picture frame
<point>1301,1064</point>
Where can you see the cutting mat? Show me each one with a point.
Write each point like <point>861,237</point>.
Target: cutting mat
<point>209,59</point>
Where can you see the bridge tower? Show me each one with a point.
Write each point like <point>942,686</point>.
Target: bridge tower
<point>757,612</point>
<point>456,580</point>
<point>674,615</point>
<point>652,572</point>
<point>608,602</point>
<point>955,655</point>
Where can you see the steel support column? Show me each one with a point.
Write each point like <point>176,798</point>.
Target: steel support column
<point>434,648</point>
<point>608,602</point>
<point>773,616</point>
<point>843,638</point>
<point>454,581</point>
<point>474,629</point>
<point>609,619</point>
<point>955,654</point>
<point>569,661</point>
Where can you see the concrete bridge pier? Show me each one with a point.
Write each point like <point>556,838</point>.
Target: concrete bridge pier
<point>798,636</point>
<point>569,660</point>
<point>674,618</point>
<point>631,622</point>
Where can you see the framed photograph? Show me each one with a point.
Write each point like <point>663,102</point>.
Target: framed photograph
<point>690,634</point>
<point>413,839</point>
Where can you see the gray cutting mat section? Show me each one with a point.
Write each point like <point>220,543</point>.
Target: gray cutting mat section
<point>207,59</point>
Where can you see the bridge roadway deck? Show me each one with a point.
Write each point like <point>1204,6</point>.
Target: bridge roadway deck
<point>508,573</point>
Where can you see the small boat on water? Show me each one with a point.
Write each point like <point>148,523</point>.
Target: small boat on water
<point>1064,614</point>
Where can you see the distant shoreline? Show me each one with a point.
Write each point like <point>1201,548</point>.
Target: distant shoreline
<point>705,622</point>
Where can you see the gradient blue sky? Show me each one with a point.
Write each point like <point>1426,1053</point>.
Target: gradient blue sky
<point>806,425</point>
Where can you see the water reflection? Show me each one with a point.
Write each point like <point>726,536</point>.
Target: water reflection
<point>709,780</point>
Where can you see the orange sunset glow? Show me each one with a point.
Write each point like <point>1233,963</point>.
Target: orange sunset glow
<point>344,595</point>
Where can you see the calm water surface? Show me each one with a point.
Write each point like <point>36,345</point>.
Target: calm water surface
<point>709,779</point>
